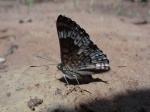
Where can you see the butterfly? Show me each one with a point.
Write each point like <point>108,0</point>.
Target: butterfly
<point>80,57</point>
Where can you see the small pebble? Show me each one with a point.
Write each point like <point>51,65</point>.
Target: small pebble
<point>32,103</point>
<point>12,49</point>
<point>58,92</point>
<point>2,60</point>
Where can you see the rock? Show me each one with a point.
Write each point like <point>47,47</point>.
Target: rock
<point>34,102</point>
<point>2,60</point>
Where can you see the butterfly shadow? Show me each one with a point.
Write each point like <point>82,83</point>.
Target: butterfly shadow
<point>82,81</point>
<point>86,79</point>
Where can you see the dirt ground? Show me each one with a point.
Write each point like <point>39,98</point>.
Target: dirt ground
<point>124,36</point>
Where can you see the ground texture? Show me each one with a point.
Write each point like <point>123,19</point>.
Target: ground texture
<point>125,40</point>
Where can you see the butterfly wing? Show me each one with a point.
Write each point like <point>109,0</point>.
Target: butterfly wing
<point>78,53</point>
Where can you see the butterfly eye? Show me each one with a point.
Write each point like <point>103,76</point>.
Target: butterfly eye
<point>58,67</point>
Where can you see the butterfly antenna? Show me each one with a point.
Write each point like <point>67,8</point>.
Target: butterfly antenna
<point>42,65</point>
<point>47,59</point>
<point>78,82</point>
<point>54,63</point>
<point>66,81</point>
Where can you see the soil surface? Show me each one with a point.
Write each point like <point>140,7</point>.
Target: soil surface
<point>30,31</point>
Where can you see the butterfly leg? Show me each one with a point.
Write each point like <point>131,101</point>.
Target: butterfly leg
<point>77,81</point>
<point>55,74</point>
<point>66,81</point>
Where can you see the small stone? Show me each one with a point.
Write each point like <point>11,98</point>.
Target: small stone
<point>34,102</point>
<point>2,60</point>
<point>58,92</point>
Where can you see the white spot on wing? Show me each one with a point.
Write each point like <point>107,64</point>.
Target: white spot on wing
<point>107,65</point>
<point>98,65</point>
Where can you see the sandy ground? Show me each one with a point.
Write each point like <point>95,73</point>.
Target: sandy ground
<point>126,45</point>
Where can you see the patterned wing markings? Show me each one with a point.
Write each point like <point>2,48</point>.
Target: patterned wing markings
<point>79,55</point>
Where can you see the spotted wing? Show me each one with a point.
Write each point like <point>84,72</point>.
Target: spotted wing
<point>78,53</point>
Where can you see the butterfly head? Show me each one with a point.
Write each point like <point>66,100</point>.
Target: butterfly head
<point>59,66</point>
